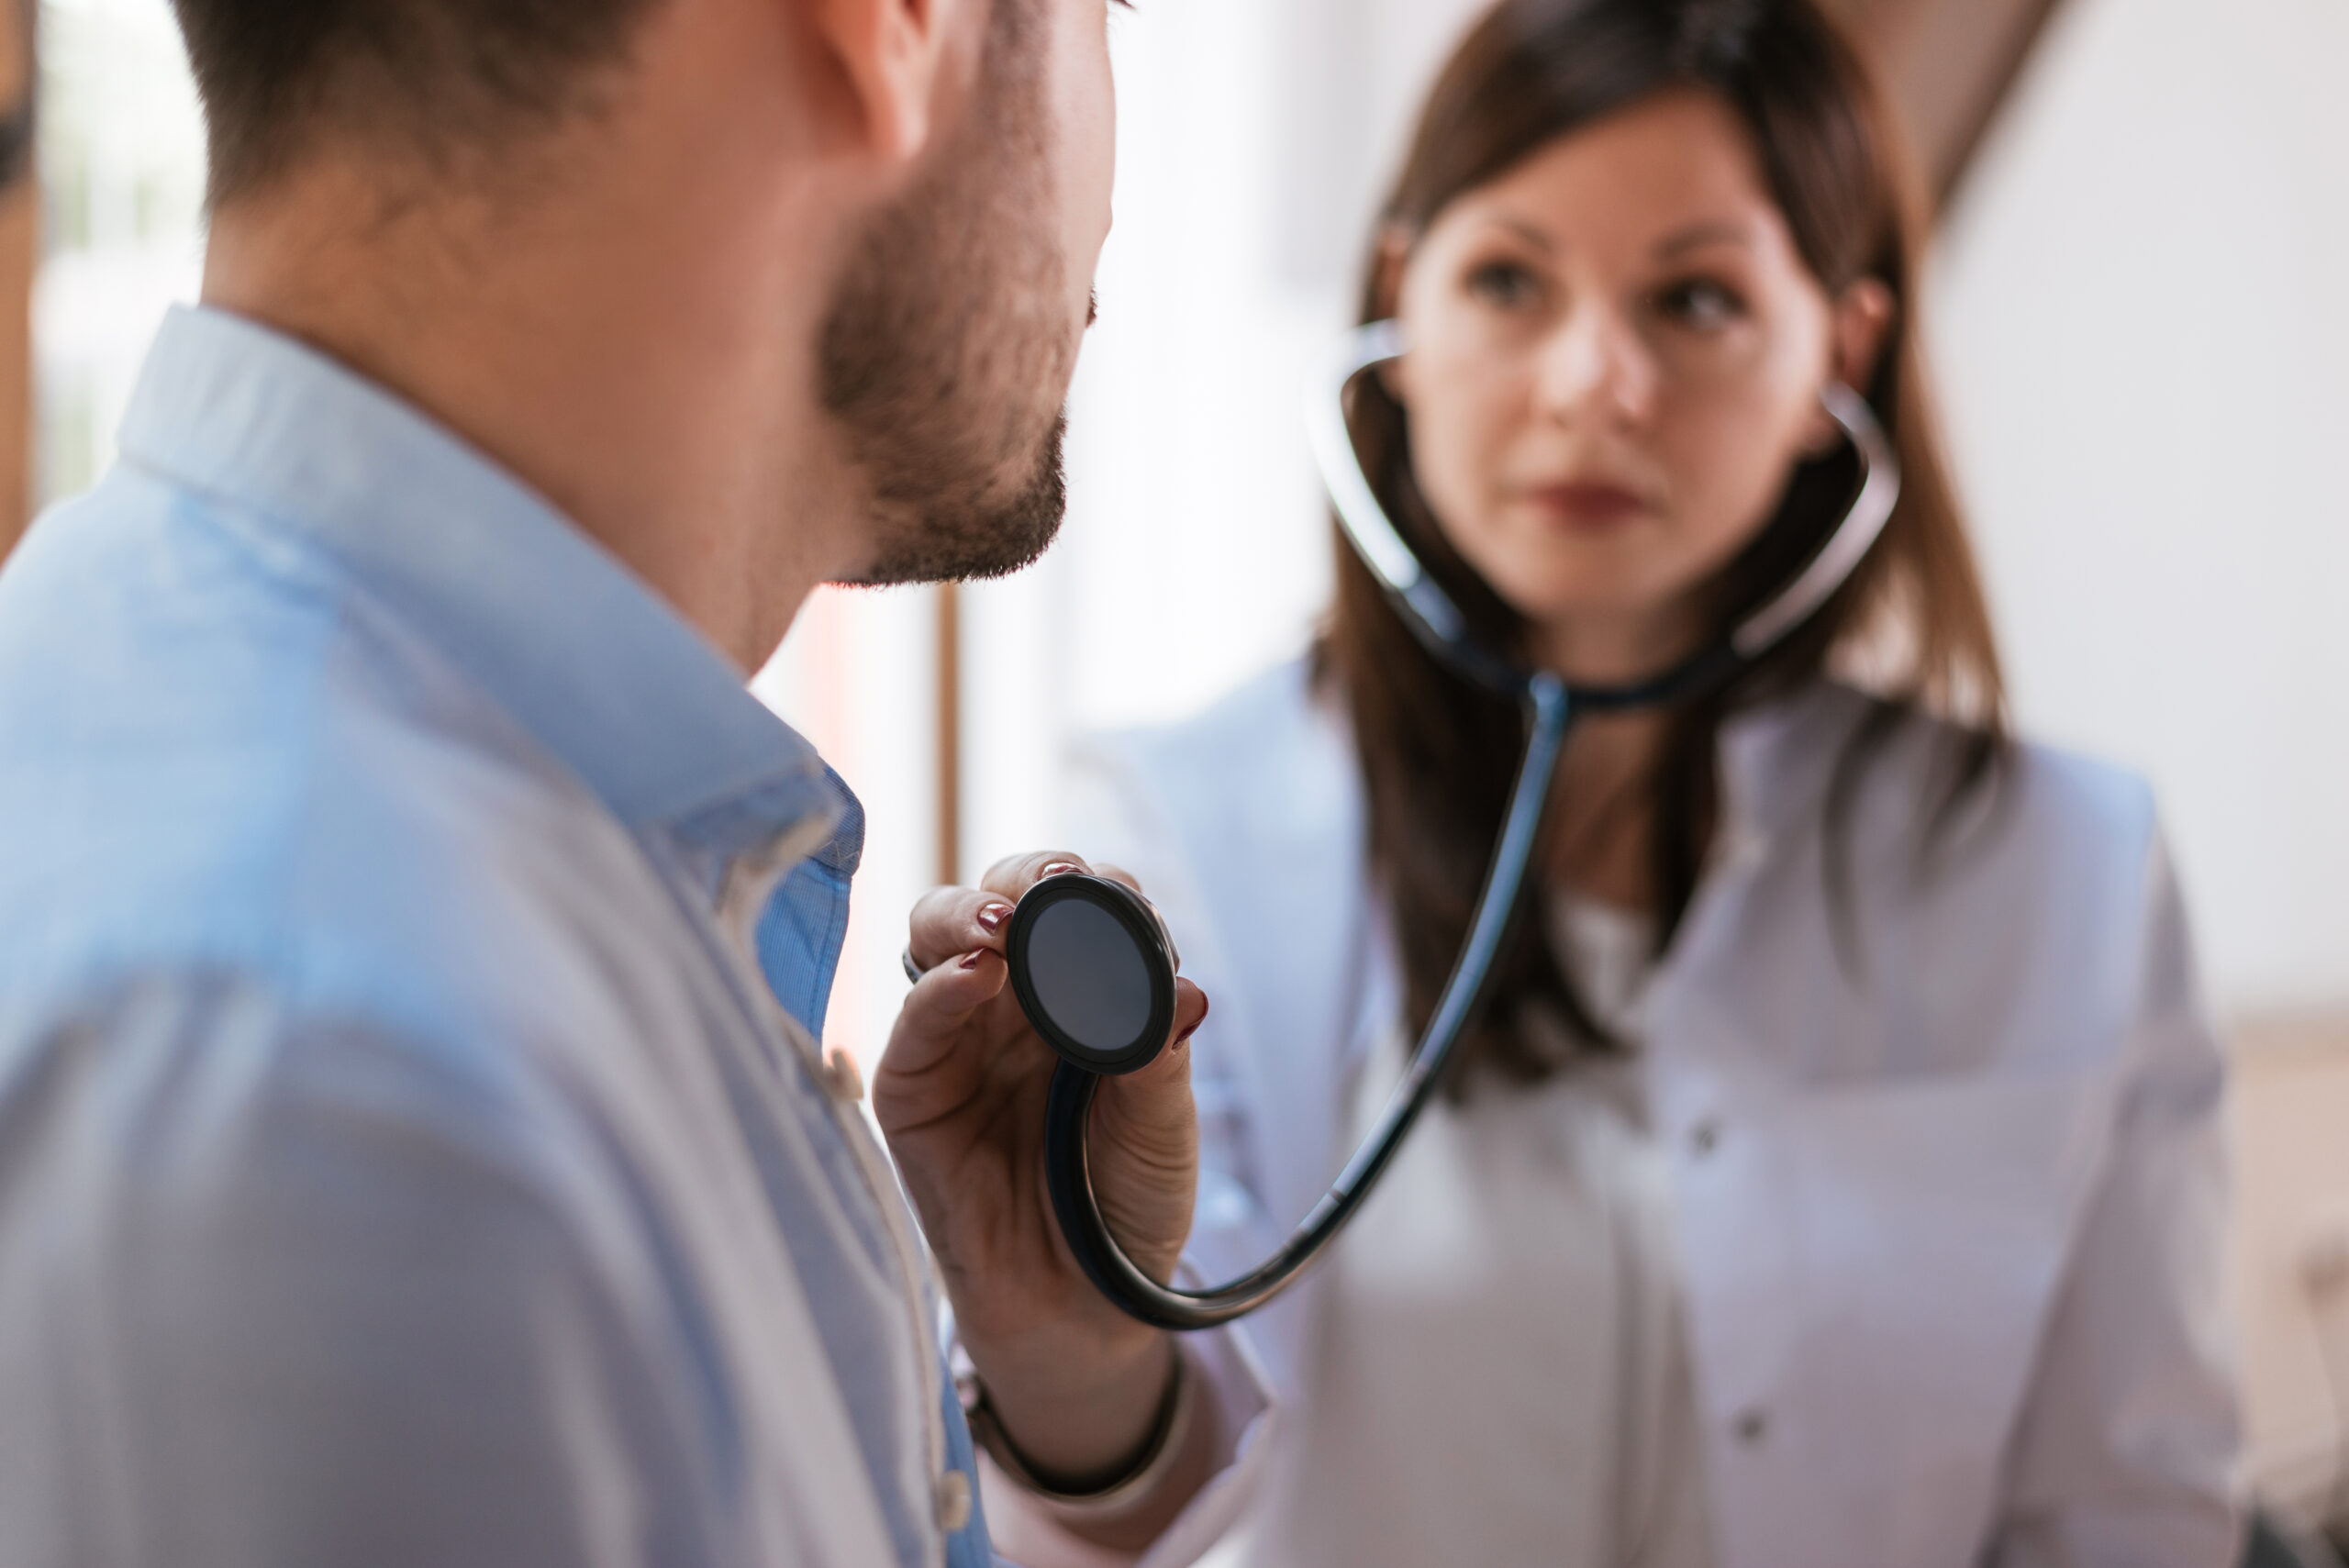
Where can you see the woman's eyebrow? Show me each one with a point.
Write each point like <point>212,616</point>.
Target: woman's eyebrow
<point>1698,235</point>
<point>1524,229</point>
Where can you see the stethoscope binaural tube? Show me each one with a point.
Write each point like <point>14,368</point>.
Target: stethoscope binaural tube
<point>1551,707</point>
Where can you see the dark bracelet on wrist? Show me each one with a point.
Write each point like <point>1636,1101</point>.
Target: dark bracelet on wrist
<point>1158,1457</point>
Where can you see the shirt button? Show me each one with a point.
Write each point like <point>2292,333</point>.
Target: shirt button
<point>953,1502</point>
<point>1705,1136</point>
<point>842,1076</point>
<point>1751,1425</point>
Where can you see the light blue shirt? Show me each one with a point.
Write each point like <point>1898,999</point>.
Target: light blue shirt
<point>413,940</point>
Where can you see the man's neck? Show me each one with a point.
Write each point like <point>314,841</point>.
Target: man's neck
<point>654,388</point>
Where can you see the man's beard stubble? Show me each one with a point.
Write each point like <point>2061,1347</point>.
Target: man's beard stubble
<point>947,355</point>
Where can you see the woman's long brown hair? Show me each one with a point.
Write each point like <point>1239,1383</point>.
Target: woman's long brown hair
<point>1439,755</point>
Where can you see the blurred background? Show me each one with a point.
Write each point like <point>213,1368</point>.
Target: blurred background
<point>2142,335</point>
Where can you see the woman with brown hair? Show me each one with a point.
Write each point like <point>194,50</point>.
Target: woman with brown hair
<point>1835,1178</point>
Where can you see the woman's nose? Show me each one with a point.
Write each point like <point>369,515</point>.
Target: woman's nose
<point>1594,367</point>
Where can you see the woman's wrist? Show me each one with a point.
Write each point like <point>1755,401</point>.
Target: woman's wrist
<point>1093,1448</point>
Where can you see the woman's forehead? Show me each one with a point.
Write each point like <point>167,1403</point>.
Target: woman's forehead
<point>1673,173</point>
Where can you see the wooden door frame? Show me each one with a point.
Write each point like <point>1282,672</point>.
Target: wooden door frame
<point>20,258</point>
<point>1948,67</point>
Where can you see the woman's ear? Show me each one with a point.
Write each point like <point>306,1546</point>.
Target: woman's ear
<point>1863,318</point>
<point>1859,328</point>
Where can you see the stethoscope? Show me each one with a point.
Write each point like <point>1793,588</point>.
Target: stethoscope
<point>1094,968</point>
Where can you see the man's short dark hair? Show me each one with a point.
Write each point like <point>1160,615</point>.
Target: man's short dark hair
<point>425,77</point>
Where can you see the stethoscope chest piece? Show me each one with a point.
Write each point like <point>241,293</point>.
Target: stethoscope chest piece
<point>1094,971</point>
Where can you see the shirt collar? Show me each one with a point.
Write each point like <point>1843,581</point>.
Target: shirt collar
<point>596,667</point>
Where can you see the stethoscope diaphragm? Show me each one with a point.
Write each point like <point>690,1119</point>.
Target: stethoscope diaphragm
<point>1094,970</point>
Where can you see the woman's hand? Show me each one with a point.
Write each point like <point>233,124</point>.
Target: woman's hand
<point>959,1095</point>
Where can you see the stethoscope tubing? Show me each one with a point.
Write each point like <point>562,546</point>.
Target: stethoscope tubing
<point>1552,708</point>
<point>1550,714</point>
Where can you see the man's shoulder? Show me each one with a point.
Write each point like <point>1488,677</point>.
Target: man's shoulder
<point>287,889</point>
<point>228,760</point>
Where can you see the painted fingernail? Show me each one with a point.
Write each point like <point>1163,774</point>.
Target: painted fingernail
<point>1205,1007</point>
<point>1064,868</point>
<point>991,919</point>
<point>974,960</point>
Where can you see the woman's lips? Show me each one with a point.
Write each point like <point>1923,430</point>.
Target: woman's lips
<point>1587,507</point>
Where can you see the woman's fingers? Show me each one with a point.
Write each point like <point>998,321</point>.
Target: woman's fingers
<point>1144,1150</point>
<point>954,922</point>
<point>1012,878</point>
<point>936,1017</point>
<point>1171,1068</point>
<point>1190,1012</point>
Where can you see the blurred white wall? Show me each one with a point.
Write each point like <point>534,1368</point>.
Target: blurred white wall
<point>121,157</point>
<point>2144,343</point>
<point>2142,332</point>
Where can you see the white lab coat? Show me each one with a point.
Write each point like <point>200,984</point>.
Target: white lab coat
<point>1950,1214</point>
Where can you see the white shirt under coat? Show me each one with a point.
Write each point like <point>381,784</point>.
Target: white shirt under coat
<point>1537,1219</point>
<point>1948,1216</point>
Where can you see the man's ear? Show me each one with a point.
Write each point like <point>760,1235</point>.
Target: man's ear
<point>890,56</point>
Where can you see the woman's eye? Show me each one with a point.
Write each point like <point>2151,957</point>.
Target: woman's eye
<point>1701,303</point>
<point>1505,286</point>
